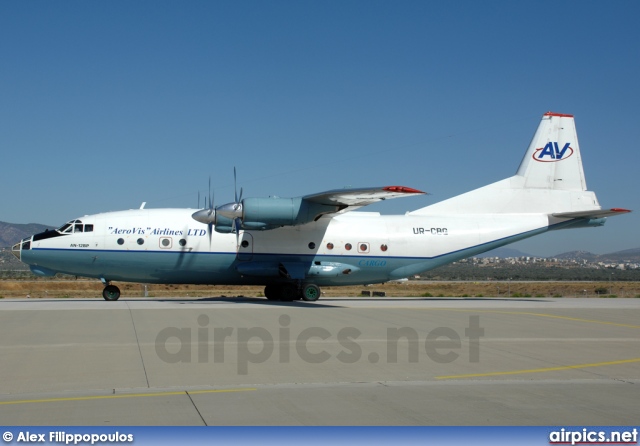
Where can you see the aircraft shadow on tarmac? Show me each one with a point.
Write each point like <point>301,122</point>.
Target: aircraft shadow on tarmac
<point>248,300</point>
<point>333,302</point>
<point>328,302</point>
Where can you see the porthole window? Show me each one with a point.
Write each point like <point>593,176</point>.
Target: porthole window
<point>364,247</point>
<point>329,245</point>
<point>383,248</point>
<point>140,241</point>
<point>348,246</point>
<point>244,243</point>
<point>120,241</point>
<point>165,242</point>
<point>312,245</point>
<point>182,242</point>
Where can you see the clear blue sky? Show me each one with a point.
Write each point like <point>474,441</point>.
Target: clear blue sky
<point>104,105</point>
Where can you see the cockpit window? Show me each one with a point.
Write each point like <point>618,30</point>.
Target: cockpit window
<point>66,229</point>
<point>74,226</point>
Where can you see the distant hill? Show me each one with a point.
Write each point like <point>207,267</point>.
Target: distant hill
<point>12,233</point>
<point>503,253</point>
<point>577,255</point>
<point>632,255</point>
<point>628,255</point>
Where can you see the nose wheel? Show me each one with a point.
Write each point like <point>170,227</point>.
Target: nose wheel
<point>310,292</point>
<point>111,292</point>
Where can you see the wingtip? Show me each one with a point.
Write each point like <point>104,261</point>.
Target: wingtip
<point>561,115</point>
<point>403,189</point>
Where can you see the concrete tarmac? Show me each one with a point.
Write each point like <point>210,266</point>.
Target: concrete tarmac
<point>339,361</point>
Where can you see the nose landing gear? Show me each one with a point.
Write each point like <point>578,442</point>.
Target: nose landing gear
<point>310,292</point>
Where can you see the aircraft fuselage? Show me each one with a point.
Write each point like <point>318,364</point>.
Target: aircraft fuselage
<point>167,246</point>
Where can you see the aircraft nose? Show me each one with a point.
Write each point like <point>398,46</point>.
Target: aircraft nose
<point>16,249</point>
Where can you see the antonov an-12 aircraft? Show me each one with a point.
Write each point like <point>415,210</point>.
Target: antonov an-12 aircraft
<point>293,246</point>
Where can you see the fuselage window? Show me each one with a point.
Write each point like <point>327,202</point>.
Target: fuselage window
<point>182,242</point>
<point>140,241</point>
<point>165,242</point>
<point>120,241</point>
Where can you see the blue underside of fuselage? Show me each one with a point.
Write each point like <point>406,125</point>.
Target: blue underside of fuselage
<point>220,267</point>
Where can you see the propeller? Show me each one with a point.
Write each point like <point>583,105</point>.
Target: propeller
<point>237,207</point>
<point>208,214</point>
<point>237,221</point>
<point>232,211</point>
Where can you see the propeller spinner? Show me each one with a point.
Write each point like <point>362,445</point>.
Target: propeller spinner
<point>208,214</point>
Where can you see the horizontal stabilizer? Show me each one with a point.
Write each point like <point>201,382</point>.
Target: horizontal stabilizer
<point>592,214</point>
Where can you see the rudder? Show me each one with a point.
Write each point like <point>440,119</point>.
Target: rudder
<point>553,160</point>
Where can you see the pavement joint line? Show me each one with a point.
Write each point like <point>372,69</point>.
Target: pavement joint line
<point>541,370</point>
<point>568,318</point>
<point>126,395</point>
<point>523,313</point>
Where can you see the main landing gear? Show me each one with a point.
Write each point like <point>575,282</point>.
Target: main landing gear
<point>111,292</point>
<point>289,292</point>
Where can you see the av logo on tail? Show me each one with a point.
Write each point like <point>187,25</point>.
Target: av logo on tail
<point>552,153</point>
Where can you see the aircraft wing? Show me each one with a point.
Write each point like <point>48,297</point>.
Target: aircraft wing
<point>592,214</point>
<point>275,212</point>
<point>350,199</point>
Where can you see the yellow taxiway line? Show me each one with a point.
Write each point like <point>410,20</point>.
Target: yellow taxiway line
<point>541,370</point>
<point>126,395</point>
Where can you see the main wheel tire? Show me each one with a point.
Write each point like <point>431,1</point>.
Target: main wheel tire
<point>271,292</point>
<point>311,292</point>
<point>288,292</point>
<point>111,292</point>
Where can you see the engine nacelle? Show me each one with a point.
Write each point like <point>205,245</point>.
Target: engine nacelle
<point>268,213</point>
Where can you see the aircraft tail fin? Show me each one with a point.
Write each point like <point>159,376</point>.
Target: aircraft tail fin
<point>550,178</point>
<point>553,159</point>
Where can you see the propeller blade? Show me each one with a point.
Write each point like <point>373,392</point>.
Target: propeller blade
<point>236,227</point>
<point>235,188</point>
